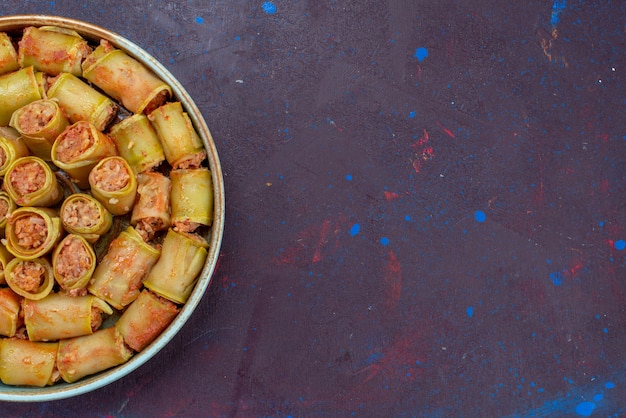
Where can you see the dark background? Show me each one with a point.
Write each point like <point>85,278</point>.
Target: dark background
<point>406,235</point>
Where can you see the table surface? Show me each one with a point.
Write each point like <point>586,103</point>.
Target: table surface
<point>425,211</point>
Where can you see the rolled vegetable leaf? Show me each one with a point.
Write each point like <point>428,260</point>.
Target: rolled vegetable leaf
<point>192,198</point>
<point>8,55</point>
<point>59,316</point>
<point>31,279</point>
<point>7,206</point>
<point>182,146</point>
<point>82,356</point>
<point>84,215</point>
<point>151,212</point>
<point>30,182</point>
<point>82,102</point>
<point>10,303</point>
<point>79,148</point>
<point>125,79</point>
<point>52,50</point>
<point>27,363</point>
<point>40,123</point>
<point>137,142</point>
<point>114,184</point>
<point>17,89</point>
<point>118,277</point>
<point>32,232</point>
<point>12,147</point>
<point>5,257</point>
<point>145,319</point>
<point>73,263</point>
<point>175,274</point>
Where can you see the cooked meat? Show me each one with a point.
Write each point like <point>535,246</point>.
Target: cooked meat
<point>27,177</point>
<point>81,213</point>
<point>186,226</point>
<point>111,175</point>
<point>30,231</point>
<point>4,209</point>
<point>73,142</point>
<point>73,259</point>
<point>35,116</point>
<point>192,162</point>
<point>96,318</point>
<point>28,275</point>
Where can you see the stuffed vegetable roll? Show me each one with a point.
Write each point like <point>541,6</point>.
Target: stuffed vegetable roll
<point>32,232</point>
<point>182,146</point>
<point>39,123</point>
<point>31,279</point>
<point>8,55</point>
<point>79,148</point>
<point>138,143</point>
<point>82,356</point>
<point>52,50</point>
<point>182,258</point>
<point>10,319</point>
<point>12,147</point>
<point>28,363</point>
<point>145,319</point>
<point>73,263</point>
<point>17,89</point>
<point>29,181</point>
<point>119,275</point>
<point>114,184</point>
<point>151,212</point>
<point>5,257</point>
<point>125,79</point>
<point>192,198</point>
<point>7,206</point>
<point>59,316</point>
<point>81,102</point>
<point>82,214</point>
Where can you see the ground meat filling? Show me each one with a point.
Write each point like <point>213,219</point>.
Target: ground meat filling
<point>81,213</point>
<point>73,260</point>
<point>194,161</point>
<point>31,231</point>
<point>96,318</point>
<point>28,276</point>
<point>27,178</point>
<point>110,176</point>
<point>4,209</point>
<point>74,142</point>
<point>36,116</point>
<point>186,226</point>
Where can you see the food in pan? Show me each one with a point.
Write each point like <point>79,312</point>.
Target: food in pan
<point>105,204</point>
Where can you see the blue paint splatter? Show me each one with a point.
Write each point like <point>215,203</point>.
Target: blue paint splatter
<point>609,385</point>
<point>598,397</point>
<point>356,228</point>
<point>557,7</point>
<point>199,20</point>
<point>620,245</point>
<point>557,278</point>
<point>407,218</point>
<point>412,114</point>
<point>470,311</point>
<point>480,216</point>
<point>585,409</point>
<point>269,7</point>
<point>349,177</point>
<point>384,241</point>
<point>421,53</point>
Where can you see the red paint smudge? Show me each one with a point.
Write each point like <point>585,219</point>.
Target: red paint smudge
<point>317,255</point>
<point>313,243</point>
<point>422,152</point>
<point>419,73</point>
<point>604,186</point>
<point>391,195</point>
<point>392,275</point>
<point>445,130</point>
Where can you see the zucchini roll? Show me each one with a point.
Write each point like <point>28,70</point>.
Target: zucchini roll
<point>81,101</point>
<point>52,50</point>
<point>12,147</point>
<point>79,148</point>
<point>17,89</point>
<point>10,319</point>
<point>182,146</point>
<point>59,316</point>
<point>28,363</point>
<point>82,356</point>
<point>73,263</point>
<point>118,277</point>
<point>29,181</point>
<point>7,206</point>
<point>5,257</point>
<point>182,258</point>
<point>125,79</point>
<point>137,142</point>
<point>145,319</point>
<point>84,215</point>
<point>31,279</point>
<point>32,232</point>
<point>8,55</point>
<point>151,212</point>
<point>114,184</point>
<point>39,123</point>
<point>192,198</point>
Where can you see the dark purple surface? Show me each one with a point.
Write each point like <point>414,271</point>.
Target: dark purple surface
<point>406,235</point>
